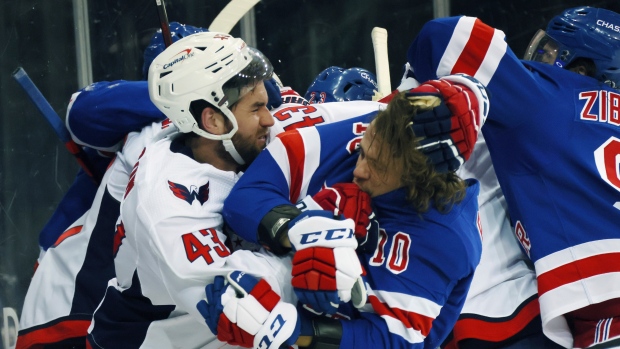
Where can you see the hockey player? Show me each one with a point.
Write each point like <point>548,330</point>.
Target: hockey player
<point>552,127</point>
<point>501,309</point>
<point>418,273</point>
<point>335,84</point>
<point>80,237</point>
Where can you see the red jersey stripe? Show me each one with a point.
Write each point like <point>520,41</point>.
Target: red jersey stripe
<point>476,49</point>
<point>409,319</point>
<point>578,270</point>
<point>68,233</point>
<point>494,331</point>
<point>295,150</point>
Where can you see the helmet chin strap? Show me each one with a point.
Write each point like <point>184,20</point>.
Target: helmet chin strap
<point>230,148</point>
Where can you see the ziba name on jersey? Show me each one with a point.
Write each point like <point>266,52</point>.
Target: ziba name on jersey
<point>607,109</point>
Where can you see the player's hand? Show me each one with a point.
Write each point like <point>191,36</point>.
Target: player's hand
<point>211,307</point>
<point>325,265</point>
<point>349,200</point>
<point>451,113</point>
<point>249,313</point>
<point>274,98</point>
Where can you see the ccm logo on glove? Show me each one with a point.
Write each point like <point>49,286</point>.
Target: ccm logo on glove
<point>275,327</point>
<point>329,235</point>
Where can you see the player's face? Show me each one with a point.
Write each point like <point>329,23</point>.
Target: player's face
<point>375,172</point>
<point>254,121</point>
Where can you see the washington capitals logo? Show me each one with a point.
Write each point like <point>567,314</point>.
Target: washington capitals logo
<point>201,194</point>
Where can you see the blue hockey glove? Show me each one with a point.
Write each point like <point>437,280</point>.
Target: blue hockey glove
<point>249,313</point>
<point>274,97</point>
<point>451,113</point>
<point>212,311</point>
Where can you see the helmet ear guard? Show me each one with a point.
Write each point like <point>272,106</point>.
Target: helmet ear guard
<point>210,66</point>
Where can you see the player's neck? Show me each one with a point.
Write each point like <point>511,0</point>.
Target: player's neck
<point>212,152</point>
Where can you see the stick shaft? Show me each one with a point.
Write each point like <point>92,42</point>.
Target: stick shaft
<point>56,122</point>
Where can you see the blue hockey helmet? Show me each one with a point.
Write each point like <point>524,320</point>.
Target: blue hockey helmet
<point>157,45</point>
<point>581,32</point>
<point>336,84</point>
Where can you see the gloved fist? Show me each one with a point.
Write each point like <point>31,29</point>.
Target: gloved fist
<point>274,99</point>
<point>325,265</point>
<point>451,113</point>
<point>349,200</point>
<point>249,313</point>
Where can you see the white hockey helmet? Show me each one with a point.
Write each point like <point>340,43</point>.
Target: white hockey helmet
<point>210,66</point>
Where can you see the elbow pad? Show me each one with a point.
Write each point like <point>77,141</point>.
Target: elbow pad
<point>274,226</point>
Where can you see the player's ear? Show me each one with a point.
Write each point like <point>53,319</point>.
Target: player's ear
<point>213,121</point>
<point>579,69</point>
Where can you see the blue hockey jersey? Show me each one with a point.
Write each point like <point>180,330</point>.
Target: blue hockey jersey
<point>554,138</point>
<point>420,272</point>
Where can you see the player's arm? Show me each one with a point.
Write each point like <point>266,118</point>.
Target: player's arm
<point>443,47</point>
<point>260,201</point>
<point>102,114</point>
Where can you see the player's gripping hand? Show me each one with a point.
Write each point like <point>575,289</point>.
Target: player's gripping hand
<point>274,99</point>
<point>349,200</point>
<point>248,313</point>
<point>325,266</point>
<point>451,113</point>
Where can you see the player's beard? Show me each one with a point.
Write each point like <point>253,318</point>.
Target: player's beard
<point>247,147</point>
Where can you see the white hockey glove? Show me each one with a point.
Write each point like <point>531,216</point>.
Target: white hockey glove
<point>249,313</point>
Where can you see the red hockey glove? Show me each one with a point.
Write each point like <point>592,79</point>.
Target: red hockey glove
<point>452,111</point>
<point>349,200</point>
<point>326,268</point>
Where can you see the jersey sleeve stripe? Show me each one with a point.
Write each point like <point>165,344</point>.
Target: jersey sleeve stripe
<point>68,233</point>
<point>474,49</point>
<point>295,153</point>
<point>278,153</point>
<point>494,55</point>
<point>312,139</point>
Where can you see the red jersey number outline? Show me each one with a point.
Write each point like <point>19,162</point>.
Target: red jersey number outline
<point>306,121</point>
<point>195,249</point>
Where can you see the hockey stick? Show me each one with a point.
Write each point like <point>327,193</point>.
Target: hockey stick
<point>163,22</point>
<point>56,122</point>
<point>382,64</point>
<point>231,14</point>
